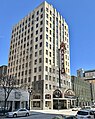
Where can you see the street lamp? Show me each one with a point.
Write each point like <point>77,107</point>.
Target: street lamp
<point>77,99</point>
<point>30,92</point>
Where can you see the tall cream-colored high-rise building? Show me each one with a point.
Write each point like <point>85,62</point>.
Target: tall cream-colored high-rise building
<point>38,42</point>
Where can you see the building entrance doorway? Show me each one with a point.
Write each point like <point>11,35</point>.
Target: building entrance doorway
<point>17,104</point>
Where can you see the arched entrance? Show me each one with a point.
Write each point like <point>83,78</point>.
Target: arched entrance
<point>57,100</point>
<point>70,97</point>
<point>63,99</point>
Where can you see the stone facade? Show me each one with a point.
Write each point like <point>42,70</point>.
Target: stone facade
<point>34,57</point>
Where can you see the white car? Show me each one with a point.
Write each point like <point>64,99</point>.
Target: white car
<point>85,114</point>
<point>76,108</point>
<point>18,112</point>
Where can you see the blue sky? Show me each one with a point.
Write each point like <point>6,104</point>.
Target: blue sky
<point>80,16</point>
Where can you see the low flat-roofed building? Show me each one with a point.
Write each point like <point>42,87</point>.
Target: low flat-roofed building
<point>18,98</point>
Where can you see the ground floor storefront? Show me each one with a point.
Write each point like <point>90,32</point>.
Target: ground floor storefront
<point>18,98</point>
<point>57,100</point>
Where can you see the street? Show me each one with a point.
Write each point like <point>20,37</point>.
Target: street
<point>35,116</point>
<point>45,114</point>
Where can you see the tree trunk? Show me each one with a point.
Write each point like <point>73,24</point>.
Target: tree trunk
<point>5,102</point>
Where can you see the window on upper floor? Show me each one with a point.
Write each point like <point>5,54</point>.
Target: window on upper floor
<point>46,86</point>
<point>46,52</point>
<point>40,52</point>
<point>40,68</point>
<point>46,9</point>
<point>41,29</point>
<point>40,60</point>
<point>35,70</point>
<point>46,60</point>
<point>46,77</point>
<point>41,9</point>
<point>41,44</point>
<point>37,12</point>
<point>46,68</point>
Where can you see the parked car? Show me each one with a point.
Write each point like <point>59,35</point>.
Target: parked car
<point>18,112</point>
<point>76,109</point>
<point>86,107</point>
<point>85,114</point>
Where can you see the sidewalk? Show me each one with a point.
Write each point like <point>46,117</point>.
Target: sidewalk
<point>64,112</point>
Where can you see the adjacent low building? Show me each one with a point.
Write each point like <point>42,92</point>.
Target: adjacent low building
<point>17,99</point>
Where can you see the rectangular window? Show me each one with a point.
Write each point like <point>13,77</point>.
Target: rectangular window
<point>34,78</point>
<point>40,68</point>
<point>46,52</point>
<point>46,77</point>
<point>50,62</point>
<point>41,22</point>
<point>37,18</point>
<point>41,9</point>
<point>29,79</point>
<point>36,39</point>
<point>29,71</point>
<point>40,52</point>
<point>46,22</point>
<point>35,70</point>
<point>50,19</point>
<point>40,60</point>
<point>36,46</point>
<point>35,54</point>
<point>36,32</point>
<point>47,15</point>
<point>46,68</point>
<point>50,87</point>
<point>50,12</point>
<point>46,36</point>
<point>46,86</point>
<point>50,54</point>
<point>46,60</point>
<point>46,9</point>
<point>41,29</point>
<point>50,78</point>
<point>32,16</point>
<point>39,77</point>
<point>50,32</point>
<point>41,15</point>
<point>50,25</point>
<point>35,62</point>
<point>46,44</point>
<point>37,12</point>
<point>41,44</point>
<point>46,29</point>
<point>36,25</point>
<point>40,37</point>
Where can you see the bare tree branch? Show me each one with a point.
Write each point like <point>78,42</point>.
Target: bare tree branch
<point>8,84</point>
